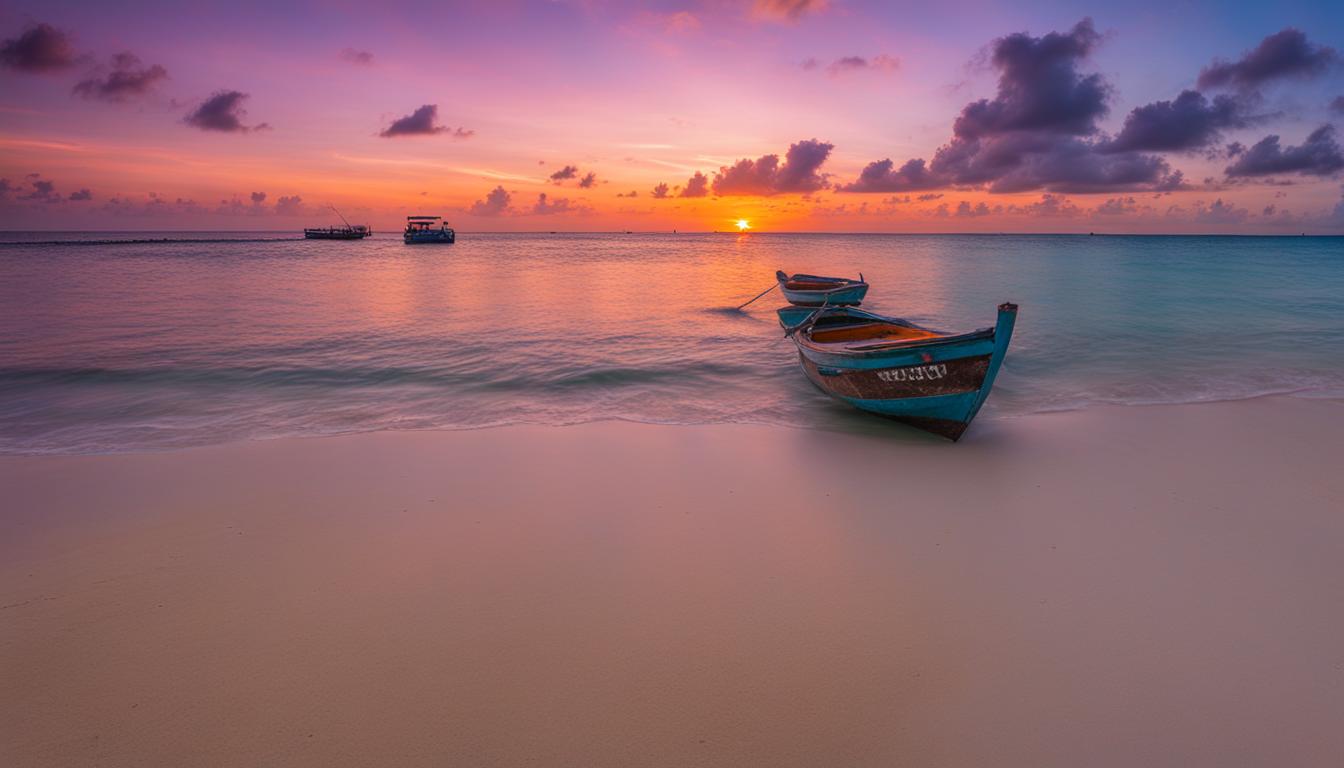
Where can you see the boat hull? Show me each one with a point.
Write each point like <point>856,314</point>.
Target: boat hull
<point>353,233</point>
<point>816,291</point>
<point>436,236</point>
<point>936,385</point>
<point>847,295</point>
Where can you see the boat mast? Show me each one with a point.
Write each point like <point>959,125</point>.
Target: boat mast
<point>338,213</point>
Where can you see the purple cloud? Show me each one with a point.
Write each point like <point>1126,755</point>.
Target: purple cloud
<point>496,203</point>
<point>1029,161</point>
<point>83,194</point>
<point>1220,213</point>
<point>126,81</point>
<point>152,206</point>
<point>41,48</point>
<point>1048,205</point>
<point>1038,132</point>
<point>559,205</point>
<point>224,112</point>
<point>43,191</point>
<point>660,191</point>
<point>588,180</point>
<point>568,172</point>
<point>965,210</point>
<point>1040,88</point>
<point>1117,206</point>
<point>786,10</point>
<point>357,57</point>
<point>284,206</point>
<point>847,64</point>
<point>696,186</point>
<point>766,176</point>
<point>289,206</point>
<point>879,176</point>
<point>1286,53</point>
<point>423,122</point>
<point>1319,155</point>
<point>1188,122</point>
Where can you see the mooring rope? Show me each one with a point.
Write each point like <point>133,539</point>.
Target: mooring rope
<point>810,321</point>
<point>759,295</point>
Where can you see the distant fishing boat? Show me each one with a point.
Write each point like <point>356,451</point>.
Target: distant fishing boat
<point>358,232</point>
<point>428,229</point>
<point>347,232</point>
<point>814,291</point>
<point>928,379</point>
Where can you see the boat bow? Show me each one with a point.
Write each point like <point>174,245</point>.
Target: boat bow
<point>928,379</point>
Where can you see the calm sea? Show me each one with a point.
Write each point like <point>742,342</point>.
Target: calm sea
<point>117,346</point>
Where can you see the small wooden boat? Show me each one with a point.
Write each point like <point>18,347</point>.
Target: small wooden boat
<point>815,291</point>
<point>928,379</point>
<point>427,229</point>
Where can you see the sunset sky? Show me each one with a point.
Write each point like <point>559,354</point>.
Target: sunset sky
<point>814,116</point>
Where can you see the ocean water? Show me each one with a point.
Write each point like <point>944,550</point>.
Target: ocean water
<point>127,342</point>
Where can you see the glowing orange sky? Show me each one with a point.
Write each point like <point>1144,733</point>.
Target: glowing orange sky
<point>631,98</point>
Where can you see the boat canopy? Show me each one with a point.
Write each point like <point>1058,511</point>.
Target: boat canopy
<point>423,218</point>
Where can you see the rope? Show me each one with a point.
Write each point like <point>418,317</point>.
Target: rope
<point>810,321</point>
<point>759,295</point>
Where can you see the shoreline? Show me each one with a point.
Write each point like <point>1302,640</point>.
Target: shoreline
<point>846,421</point>
<point>1113,586</point>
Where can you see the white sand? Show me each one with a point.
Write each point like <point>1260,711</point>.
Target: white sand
<point>1118,587</point>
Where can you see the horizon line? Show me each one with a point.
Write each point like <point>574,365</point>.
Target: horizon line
<point>751,233</point>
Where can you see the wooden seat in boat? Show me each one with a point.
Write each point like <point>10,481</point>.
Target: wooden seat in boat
<point>800,285</point>
<point>884,332</point>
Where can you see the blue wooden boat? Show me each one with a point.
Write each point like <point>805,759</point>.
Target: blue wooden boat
<point>815,291</point>
<point>928,379</point>
<point>427,229</point>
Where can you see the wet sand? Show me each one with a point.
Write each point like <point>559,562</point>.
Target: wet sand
<point>1155,586</point>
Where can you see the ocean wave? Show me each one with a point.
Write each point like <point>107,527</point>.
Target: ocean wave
<point>572,377</point>
<point>223,338</point>
<point>1306,387</point>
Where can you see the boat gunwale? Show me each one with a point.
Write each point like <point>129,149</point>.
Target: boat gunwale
<point>836,283</point>
<point>877,348</point>
<point>803,337</point>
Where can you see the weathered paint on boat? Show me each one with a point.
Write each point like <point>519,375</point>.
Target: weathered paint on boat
<point>793,316</point>
<point>815,291</point>
<point>936,382</point>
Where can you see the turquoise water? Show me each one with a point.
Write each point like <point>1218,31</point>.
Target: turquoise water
<point>116,346</point>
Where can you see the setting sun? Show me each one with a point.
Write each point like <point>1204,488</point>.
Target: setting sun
<point>743,225</point>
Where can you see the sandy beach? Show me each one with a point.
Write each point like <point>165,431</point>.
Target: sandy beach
<point>1156,586</point>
